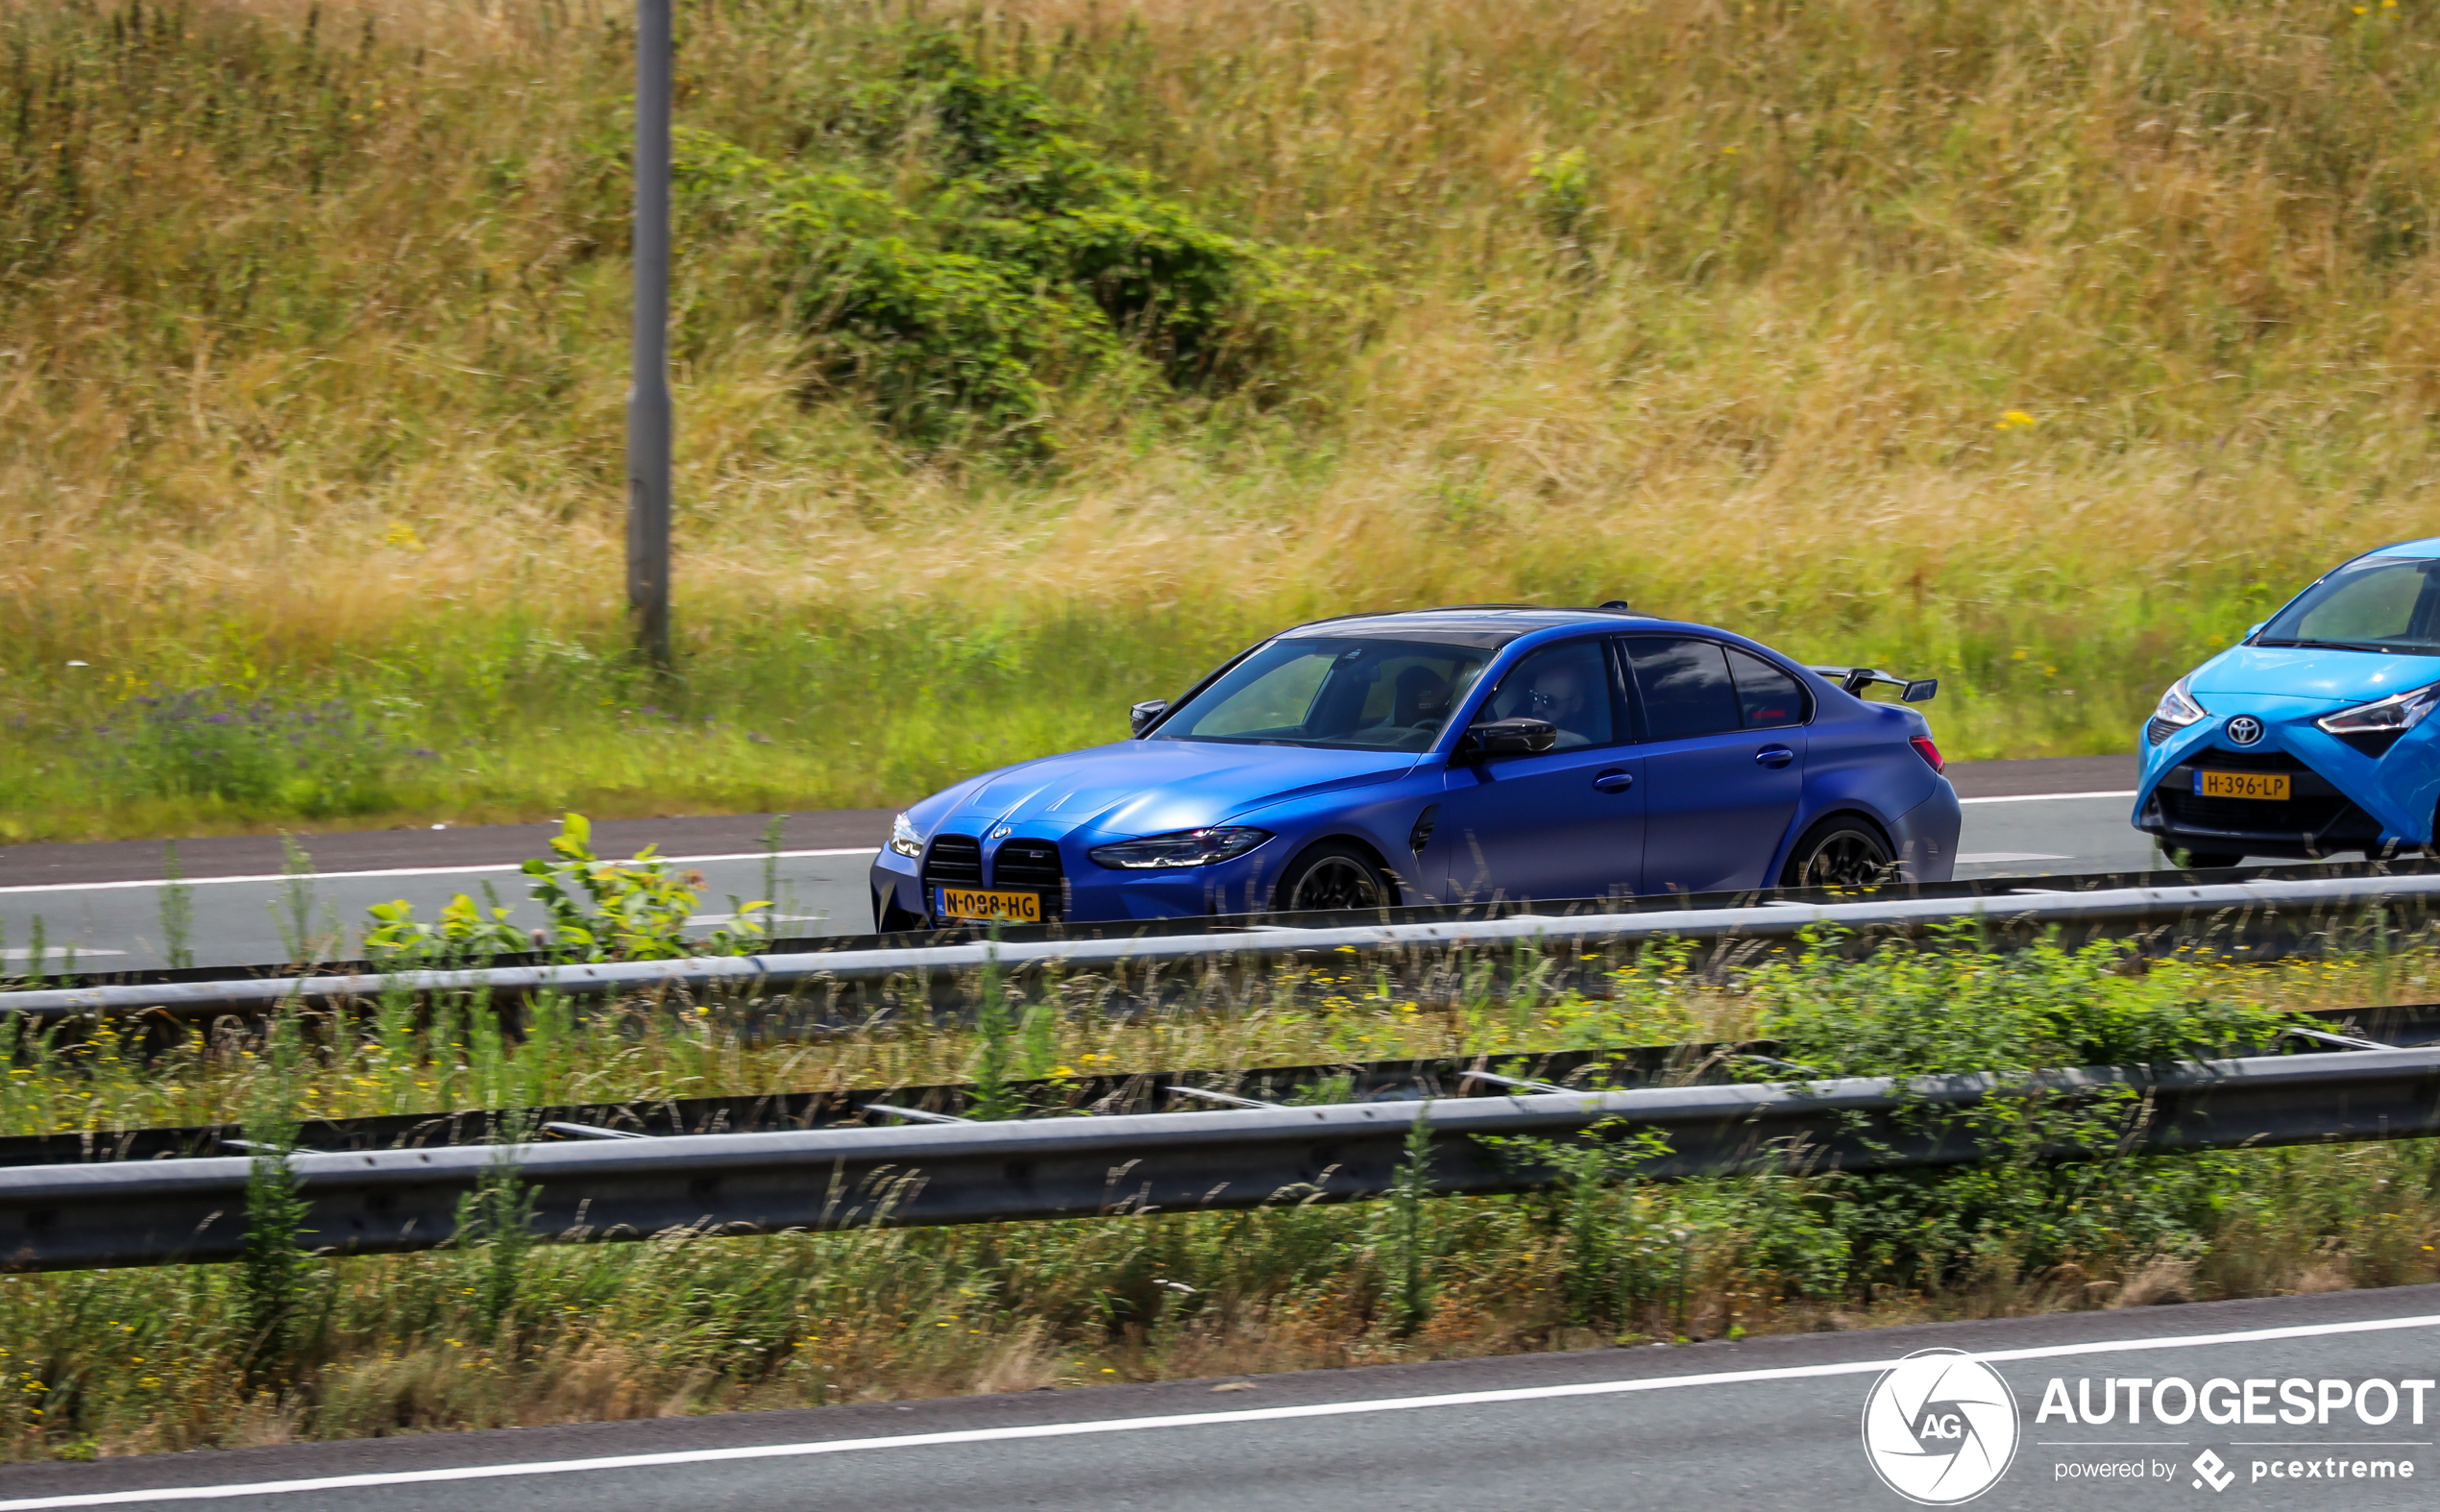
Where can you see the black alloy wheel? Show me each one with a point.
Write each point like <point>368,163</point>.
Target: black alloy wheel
<point>1332,877</point>
<point>1840,851</point>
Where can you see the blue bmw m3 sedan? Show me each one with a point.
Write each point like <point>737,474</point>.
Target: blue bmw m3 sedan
<point>1447,755</point>
<point>2309,738</point>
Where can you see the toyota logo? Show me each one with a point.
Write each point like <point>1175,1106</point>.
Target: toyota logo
<point>2245,729</point>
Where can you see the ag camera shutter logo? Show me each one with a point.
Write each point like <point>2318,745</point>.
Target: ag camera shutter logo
<point>1941,1427</point>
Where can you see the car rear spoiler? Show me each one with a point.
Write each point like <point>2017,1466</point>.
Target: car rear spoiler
<point>1854,679</point>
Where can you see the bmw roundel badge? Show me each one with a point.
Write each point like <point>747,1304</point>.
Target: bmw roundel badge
<point>2245,729</point>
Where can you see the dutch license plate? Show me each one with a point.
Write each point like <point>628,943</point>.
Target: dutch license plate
<point>1013,908</point>
<point>2270,785</point>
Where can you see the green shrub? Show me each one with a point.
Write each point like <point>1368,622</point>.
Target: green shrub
<point>1007,257</point>
<point>1946,1009</point>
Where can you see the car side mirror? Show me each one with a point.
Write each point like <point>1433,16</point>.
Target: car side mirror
<point>2253,630</point>
<point>1517,737</point>
<point>1141,717</point>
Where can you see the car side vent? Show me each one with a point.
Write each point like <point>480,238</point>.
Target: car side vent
<point>954,861</point>
<point>1027,864</point>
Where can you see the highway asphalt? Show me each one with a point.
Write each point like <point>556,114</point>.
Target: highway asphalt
<point>1763,1423</point>
<point>104,901</point>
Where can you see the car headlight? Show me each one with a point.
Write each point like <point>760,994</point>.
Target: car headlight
<point>1184,848</point>
<point>2394,714</point>
<point>2177,706</point>
<point>2178,710</point>
<point>904,840</point>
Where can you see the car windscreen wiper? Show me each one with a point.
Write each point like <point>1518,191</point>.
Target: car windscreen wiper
<point>2355,646</point>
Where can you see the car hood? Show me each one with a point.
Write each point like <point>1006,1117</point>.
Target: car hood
<point>1152,787</point>
<point>2301,672</point>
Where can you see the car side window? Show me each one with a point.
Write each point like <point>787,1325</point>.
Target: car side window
<point>1568,685</point>
<point>1768,698</point>
<point>1685,686</point>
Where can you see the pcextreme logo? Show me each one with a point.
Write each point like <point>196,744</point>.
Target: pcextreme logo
<point>1940,1428</point>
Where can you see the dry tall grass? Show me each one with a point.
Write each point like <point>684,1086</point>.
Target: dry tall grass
<point>2040,348</point>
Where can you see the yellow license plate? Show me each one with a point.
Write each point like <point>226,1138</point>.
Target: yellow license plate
<point>1013,908</point>
<point>2271,786</point>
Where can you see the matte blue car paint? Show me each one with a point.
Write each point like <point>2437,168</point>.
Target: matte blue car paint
<point>1699,814</point>
<point>2288,688</point>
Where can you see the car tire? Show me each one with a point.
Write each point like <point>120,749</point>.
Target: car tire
<point>2204,859</point>
<point>1844,850</point>
<point>1333,877</point>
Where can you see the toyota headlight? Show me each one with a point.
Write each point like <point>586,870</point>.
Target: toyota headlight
<point>2394,714</point>
<point>904,840</point>
<point>2177,706</point>
<point>2178,710</point>
<point>1184,848</point>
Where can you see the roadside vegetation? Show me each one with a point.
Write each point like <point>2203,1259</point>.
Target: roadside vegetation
<point>499,1331</point>
<point>1034,355</point>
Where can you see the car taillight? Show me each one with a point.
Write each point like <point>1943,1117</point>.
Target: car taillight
<point>1930,752</point>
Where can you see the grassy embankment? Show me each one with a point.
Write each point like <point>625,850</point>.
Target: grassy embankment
<point>2036,348</point>
<point>498,1332</point>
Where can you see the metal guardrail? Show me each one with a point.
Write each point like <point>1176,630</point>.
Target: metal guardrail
<point>2267,915</point>
<point>2395,1026</point>
<point>165,1211</point>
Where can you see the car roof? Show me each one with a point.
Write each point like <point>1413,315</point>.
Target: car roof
<point>2429,546</point>
<point>1486,625</point>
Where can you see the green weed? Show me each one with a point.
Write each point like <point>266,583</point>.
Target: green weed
<point>503,1329</point>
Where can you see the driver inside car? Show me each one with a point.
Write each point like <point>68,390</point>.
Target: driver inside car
<point>1567,687</point>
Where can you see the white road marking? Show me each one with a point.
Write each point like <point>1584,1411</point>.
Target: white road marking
<point>2047,797</point>
<point>1993,858</point>
<point>409,872</point>
<point>55,953</point>
<point>1183,1420</point>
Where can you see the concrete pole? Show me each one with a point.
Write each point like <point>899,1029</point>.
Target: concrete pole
<point>648,399</point>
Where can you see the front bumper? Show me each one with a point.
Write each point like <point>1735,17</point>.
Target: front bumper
<point>2341,800</point>
<point>1082,891</point>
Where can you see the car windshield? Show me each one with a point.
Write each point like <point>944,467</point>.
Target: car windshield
<point>2381,603</point>
<point>1341,692</point>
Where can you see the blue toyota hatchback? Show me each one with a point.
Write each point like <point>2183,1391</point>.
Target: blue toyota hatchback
<point>2309,737</point>
<point>1447,755</point>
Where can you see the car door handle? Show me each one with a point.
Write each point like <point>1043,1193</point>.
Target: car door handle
<point>1773,756</point>
<point>1614,780</point>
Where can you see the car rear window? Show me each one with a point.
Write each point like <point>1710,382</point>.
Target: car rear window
<point>1768,697</point>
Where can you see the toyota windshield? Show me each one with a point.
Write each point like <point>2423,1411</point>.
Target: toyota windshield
<point>2378,603</point>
